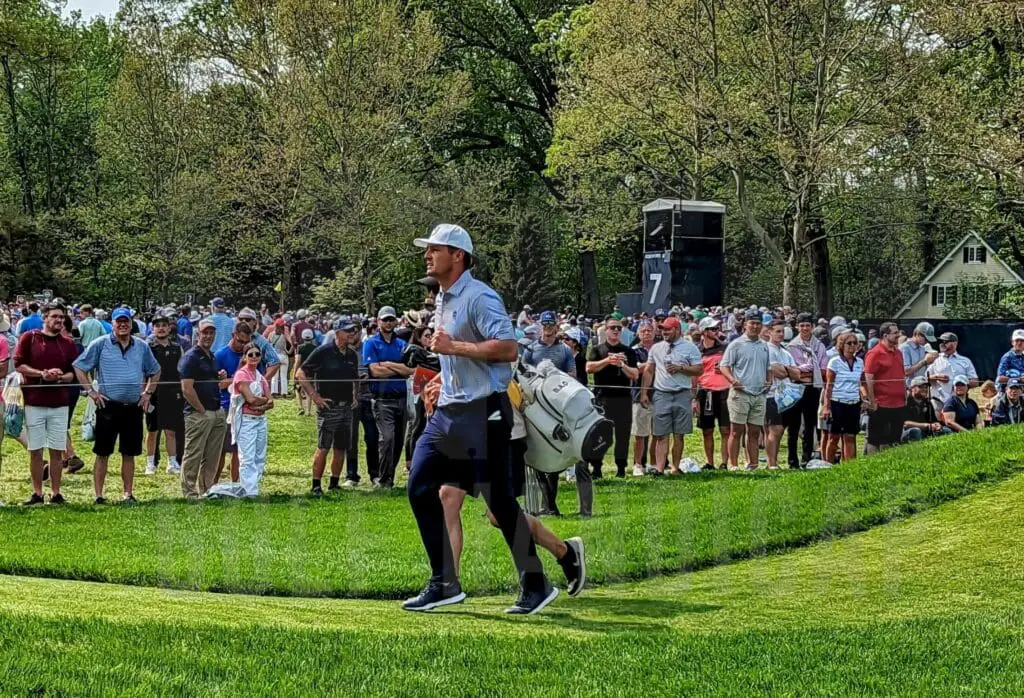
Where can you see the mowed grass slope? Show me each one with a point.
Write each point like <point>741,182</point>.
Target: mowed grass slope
<point>365,544</point>
<point>931,605</point>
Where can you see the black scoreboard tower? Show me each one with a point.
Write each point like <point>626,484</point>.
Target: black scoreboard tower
<point>684,254</point>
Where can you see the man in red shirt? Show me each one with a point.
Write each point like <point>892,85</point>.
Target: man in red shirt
<point>43,358</point>
<point>885,380</point>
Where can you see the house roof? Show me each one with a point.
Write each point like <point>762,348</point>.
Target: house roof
<point>949,257</point>
<point>663,204</point>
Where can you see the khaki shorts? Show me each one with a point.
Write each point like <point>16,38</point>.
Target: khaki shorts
<point>641,420</point>
<point>745,408</point>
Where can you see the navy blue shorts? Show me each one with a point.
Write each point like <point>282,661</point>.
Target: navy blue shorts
<point>464,448</point>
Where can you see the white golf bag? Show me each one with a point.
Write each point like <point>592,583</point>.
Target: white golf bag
<point>563,425</point>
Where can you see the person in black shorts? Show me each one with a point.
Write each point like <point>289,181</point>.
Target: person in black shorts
<point>168,413</point>
<point>305,349</point>
<point>127,373</point>
<point>614,367</point>
<point>330,375</point>
<point>712,393</point>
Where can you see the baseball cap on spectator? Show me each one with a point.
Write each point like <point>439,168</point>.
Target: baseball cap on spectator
<point>767,318</point>
<point>617,315</point>
<point>120,313</point>
<point>548,317</point>
<point>709,323</point>
<point>926,330</point>
<point>447,234</point>
<point>429,282</point>
<point>918,381</point>
<point>836,331</point>
<point>804,318</point>
<point>837,321</point>
<point>672,322</point>
<point>246,314</point>
<point>194,317</point>
<point>217,302</point>
<point>660,314</point>
<point>532,329</point>
<point>301,313</point>
<point>1013,383</point>
<point>205,322</point>
<point>1018,334</point>
<point>307,333</point>
<point>279,322</point>
<point>948,337</point>
<point>387,313</point>
<point>575,335</point>
<point>753,315</point>
<point>961,380</point>
<point>344,322</point>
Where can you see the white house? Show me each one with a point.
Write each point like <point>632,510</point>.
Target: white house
<point>971,260</point>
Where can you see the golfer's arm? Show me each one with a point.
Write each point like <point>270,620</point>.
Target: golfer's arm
<point>493,351</point>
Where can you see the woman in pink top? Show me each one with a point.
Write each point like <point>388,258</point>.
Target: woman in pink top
<point>251,433</point>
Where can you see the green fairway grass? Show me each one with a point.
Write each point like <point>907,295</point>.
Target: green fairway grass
<point>929,605</point>
<point>365,544</point>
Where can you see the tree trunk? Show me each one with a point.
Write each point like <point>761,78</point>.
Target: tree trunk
<point>27,203</point>
<point>926,223</point>
<point>286,280</point>
<point>790,271</point>
<point>821,268</point>
<point>591,292</point>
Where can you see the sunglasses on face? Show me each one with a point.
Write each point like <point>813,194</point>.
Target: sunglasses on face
<point>613,328</point>
<point>253,355</point>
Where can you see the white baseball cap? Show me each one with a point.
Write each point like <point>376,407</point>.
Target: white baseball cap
<point>1018,334</point>
<point>447,234</point>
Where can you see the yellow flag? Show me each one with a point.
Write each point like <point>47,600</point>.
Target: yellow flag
<point>278,287</point>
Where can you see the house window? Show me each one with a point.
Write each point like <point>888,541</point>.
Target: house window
<point>975,254</point>
<point>943,295</point>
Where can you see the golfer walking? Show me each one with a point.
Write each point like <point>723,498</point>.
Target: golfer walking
<point>477,345</point>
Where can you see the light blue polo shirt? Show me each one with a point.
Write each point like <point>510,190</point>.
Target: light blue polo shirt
<point>121,371</point>
<point>472,311</point>
<point>225,325</point>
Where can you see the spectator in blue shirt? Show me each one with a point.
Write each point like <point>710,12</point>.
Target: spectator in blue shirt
<point>548,347</point>
<point>32,321</point>
<point>184,322</point>
<point>960,412</point>
<point>382,355</point>
<point>1011,365</point>
<point>123,365</point>
<point>224,323</point>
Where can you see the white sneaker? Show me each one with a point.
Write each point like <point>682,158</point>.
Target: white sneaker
<point>570,474</point>
<point>151,469</point>
<point>173,468</point>
<point>349,484</point>
<point>638,471</point>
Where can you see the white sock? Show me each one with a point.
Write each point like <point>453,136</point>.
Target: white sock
<point>172,462</point>
<point>150,461</point>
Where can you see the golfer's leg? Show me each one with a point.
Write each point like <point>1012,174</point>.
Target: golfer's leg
<point>424,488</point>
